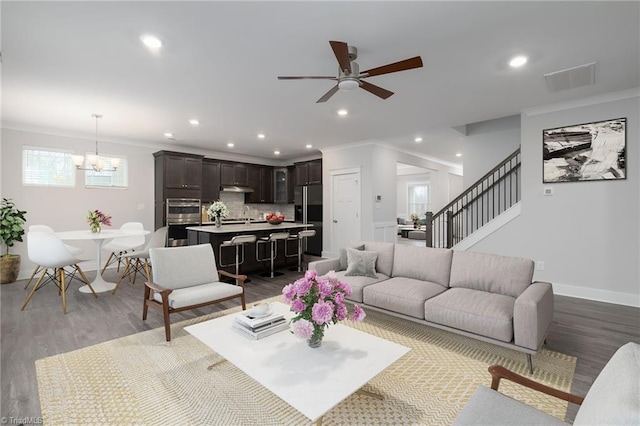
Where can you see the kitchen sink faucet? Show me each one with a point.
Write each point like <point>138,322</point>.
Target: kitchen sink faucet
<point>247,215</point>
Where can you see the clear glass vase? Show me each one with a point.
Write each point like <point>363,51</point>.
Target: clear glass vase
<point>315,340</point>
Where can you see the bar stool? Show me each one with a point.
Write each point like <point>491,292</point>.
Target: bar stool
<point>237,241</point>
<point>300,254</point>
<point>272,240</point>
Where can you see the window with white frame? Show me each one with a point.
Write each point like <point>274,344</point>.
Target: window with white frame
<point>418,199</point>
<point>108,178</point>
<point>47,167</point>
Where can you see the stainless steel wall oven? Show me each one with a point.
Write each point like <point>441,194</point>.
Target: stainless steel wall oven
<point>181,213</point>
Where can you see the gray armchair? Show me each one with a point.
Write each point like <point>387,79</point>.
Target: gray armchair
<point>187,278</point>
<point>614,397</point>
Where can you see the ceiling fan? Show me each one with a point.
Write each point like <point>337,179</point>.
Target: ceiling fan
<point>349,75</point>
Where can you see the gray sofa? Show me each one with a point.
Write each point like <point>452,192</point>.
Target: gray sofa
<point>484,296</point>
<point>613,399</point>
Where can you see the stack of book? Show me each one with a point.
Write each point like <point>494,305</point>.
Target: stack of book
<point>257,328</point>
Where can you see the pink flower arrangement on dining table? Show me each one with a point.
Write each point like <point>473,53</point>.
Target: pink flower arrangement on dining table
<point>318,302</point>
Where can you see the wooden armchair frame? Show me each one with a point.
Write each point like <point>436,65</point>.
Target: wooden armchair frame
<point>499,372</point>
<point>166,310</point>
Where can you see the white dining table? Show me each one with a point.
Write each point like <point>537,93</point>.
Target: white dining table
<point>99,284</point>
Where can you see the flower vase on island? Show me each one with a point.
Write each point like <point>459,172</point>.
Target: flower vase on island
<point>318,302</point>
<point>216,211</point>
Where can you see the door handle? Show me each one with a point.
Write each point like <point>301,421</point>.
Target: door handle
<point>335,221</point>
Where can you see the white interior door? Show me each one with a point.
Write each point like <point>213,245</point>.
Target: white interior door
<point>345,209</point>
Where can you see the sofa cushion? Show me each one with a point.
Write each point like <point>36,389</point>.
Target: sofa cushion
<point>401,295</point>
<point>343,256</point>
<point>361,263</point>
<point>614,397</point>
<point>490,272</point>
<point>479,312</point>
<point>199,294</point>
<point>359,283</point>
<point>422,263</point>
<point>384,264</point>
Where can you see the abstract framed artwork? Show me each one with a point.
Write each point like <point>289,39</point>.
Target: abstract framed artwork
<point>585,152</point>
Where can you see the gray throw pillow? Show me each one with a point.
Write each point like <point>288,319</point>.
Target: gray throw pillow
<point>361,263</point>
<point>343,257</point>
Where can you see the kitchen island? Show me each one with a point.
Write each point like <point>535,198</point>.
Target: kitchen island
<point>216,236</point>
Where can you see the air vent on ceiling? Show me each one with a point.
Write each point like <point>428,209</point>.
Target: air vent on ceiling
<point>582,75</point>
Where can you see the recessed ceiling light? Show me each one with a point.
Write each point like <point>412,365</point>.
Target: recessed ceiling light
<point>309,146</point>
<point>261,135</point>
<point>418,139</point>
<point>459,154</point>
<point>194,122</point>
<point>152,42</point>
<point>276,152</point>
<point>518,61</point>
<point>343,112</point>
<point>230,145</point>
<point>168,135</point>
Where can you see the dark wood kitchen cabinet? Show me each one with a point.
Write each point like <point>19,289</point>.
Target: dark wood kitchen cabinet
<point>234,174</point>
<point>176,175</point>
<point>308,173</point>
<point>261,181</point>
<point>210,180</point>
<point>291,184</point>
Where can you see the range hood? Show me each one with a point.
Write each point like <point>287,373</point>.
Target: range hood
<point>233,188</point>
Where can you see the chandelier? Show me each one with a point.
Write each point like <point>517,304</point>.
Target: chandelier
<point>96,164</point>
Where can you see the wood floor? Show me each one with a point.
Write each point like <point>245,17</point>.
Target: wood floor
<point>591,331</point>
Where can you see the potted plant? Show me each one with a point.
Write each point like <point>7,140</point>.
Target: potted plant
<point>11,230</point>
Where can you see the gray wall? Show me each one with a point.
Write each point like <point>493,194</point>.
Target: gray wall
<point>486,144</point>
<point>587,233</point>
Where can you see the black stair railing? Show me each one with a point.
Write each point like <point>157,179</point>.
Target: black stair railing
<point>487,198</point>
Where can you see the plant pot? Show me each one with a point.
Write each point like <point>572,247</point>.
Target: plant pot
<point>9,268</point>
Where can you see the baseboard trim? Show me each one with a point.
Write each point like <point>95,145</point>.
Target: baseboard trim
<point>598,295</point>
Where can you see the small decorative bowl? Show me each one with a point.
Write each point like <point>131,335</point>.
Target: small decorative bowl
<point>275,221</point>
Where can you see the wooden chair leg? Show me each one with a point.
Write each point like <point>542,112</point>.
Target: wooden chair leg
<point>145,306</point>
<point>63,288</point>
<point>124,274</point>
<point>86,280</point>
<point>35,271</point>
<point>147,269</point>
<point>33,290</point>
<point>107,262</point>
<point>165,312</point>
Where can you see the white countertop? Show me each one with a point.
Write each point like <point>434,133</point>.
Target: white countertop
<point>242,228</point>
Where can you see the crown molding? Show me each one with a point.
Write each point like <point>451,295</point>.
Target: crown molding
<point>578,103</point>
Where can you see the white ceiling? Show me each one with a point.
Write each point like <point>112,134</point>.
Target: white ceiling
<point>63,61</point>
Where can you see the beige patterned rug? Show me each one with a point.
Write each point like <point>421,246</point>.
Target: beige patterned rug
<point>141,379</point>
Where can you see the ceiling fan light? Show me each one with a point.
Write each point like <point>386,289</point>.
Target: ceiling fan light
<point>349,84</point>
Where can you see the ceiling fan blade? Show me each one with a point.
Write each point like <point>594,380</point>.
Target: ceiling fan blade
<point>376,90</point>
<point>306,77</point>
<point>341,50</point>
<point>407,64</point>
<point>329,94</point>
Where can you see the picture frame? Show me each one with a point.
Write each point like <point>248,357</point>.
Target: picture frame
<point>585,152</point>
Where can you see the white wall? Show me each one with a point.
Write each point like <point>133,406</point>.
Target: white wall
<point>587,233</point>
<point>378,166</point>
<point>65,209</point>
<point>486,144</point>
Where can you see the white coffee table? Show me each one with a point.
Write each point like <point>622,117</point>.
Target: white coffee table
<point>284,364</point>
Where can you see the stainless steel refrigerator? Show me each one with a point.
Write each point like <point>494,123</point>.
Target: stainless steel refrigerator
<point>308,209</point>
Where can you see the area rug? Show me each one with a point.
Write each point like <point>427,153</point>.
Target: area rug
<point>142,379</point>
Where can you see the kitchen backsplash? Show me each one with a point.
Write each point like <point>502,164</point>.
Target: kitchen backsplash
<point>235,203</point>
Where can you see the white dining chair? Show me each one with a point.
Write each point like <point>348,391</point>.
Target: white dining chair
<point>138,261</point>
<point>122,245</point>
<point>44,228</point>
<point>48,251</point>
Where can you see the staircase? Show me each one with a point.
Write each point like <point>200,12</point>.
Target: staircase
<point>486,199</point>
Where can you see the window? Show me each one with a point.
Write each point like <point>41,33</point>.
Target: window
<point>47,167</point>
<point>418,197</point>
<point>109,179</point>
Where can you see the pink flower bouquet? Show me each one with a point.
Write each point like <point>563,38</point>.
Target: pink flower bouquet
<point>318,303</point>
<point>96,218</point>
